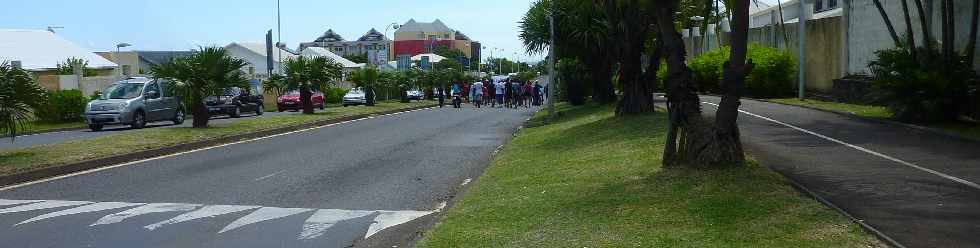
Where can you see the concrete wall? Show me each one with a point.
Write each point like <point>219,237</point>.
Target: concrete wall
<point>866,31</point>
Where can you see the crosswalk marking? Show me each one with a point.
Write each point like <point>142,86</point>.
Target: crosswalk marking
<point>313,227</point>
<point>323,219</point>
<point>42,205</point>
<point>100,206</point>
<point>263,214</point>
<point>205,212</point>
<point>147,209</point>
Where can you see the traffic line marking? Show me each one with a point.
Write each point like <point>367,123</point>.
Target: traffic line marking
<point>865,150</point>
<point>313,227</point>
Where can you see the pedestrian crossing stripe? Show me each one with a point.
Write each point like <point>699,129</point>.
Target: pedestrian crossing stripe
<point>314,226</point>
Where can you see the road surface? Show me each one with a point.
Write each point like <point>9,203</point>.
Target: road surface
<point>917,187</point>
<point>382,178</point>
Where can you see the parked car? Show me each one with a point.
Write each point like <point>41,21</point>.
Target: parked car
<point>416,94</point>
<point>356,96</point>
<point>134,102</point>
<point>290,101</point>
<point>233,101</point>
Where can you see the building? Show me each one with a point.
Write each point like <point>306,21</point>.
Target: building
<point>414,38</point>
<point>139,63</point>
<point>255,54</point>
<point>373,44</point>
<point>348,65</point>
<point>761,14</point>
<point>40,52</point>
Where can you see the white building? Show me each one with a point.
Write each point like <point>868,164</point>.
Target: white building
<point>255,54</point>
<point>762,14</point>
<point>41,50</point>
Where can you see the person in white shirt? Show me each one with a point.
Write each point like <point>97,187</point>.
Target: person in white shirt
<point>499,86</point>
<point>476,90</point>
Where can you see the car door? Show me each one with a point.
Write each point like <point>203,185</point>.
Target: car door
<point>153,104</point>
<point>169,103</point>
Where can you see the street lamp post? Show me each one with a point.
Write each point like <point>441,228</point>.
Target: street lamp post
<point>389,54</point>
<point>118,47</point>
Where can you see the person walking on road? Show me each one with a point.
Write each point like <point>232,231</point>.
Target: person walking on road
<point>508,93</point>
<point>537,94</point>
<point>499,89</point>
<point>440,93</point>
<point>476,91</point>
<point>528,94</point>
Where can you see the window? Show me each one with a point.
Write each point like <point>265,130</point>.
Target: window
<point>824,5</point>
<point>154,87</point>
<point>420,36</point>
<point>251,70</point>
<point>445,36</point>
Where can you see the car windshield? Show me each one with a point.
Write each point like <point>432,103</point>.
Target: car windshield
<point>231,92</point>
<point>122,91</point>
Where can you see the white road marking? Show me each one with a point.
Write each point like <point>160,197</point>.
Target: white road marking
<point>95,207</point>
<point>43,205</point>
<point>263,214</point>
<point>441,206</point>
<point>195,150</point>
<point>866,150</point>
<point>386,219</point>
<point>204,212</point>
<point>323,219</point>
<point>465,182</point>
<point>147,209</point>
<point>268,176</point>
<point>15,202</point>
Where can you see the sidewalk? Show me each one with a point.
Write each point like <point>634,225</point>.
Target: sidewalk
<point>916,187</point>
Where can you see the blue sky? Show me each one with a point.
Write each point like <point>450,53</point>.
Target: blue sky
<point>186,24</point>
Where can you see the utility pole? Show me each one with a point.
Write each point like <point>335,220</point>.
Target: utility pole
<point>279,34</point>
<point>551,63</point>
<point>801,30</point>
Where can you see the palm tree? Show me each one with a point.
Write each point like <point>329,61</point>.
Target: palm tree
<point>19,94</point>
<point>367,79</point>
<point>201,74</point>
<point>306,74</point>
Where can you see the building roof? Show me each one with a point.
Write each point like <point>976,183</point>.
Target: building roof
<point>330,36</point>
<point>461,36</point>
<point>319,51</point>
<point>425,27</point>
<point>158,57</point>
<point>259,48</point>
<point>373,35</point>
<point>39,50</point>
<point>433,58</point>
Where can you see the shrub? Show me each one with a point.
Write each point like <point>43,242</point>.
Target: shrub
<point>921,91</point>
<point>334,95</point>
<point>63,106</point>
<point>772,75</point>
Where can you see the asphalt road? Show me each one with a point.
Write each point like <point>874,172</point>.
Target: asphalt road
<point>63,136</point>
<point>382,178</point>
<point>919,188</point>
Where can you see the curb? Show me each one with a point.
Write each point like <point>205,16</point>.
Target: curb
<point>881,121</point>
<point>59,170</point>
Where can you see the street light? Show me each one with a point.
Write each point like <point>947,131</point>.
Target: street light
<point>118,47</point>
<point>388,47</point>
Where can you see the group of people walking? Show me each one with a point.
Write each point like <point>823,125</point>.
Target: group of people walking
<point>501,94</point>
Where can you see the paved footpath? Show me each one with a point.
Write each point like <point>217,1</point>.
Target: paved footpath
<point>916,187</point>
<point>374,182</point>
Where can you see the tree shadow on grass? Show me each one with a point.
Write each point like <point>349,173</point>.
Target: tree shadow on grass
<point>601,127</point>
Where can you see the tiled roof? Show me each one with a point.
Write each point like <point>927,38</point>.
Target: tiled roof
<point>427,27</point>
<point>329,36</point>
<point>373,35</point>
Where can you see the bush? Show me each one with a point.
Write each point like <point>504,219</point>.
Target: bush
<point>921,91</point>
<point>63,106</point>
<point>772,76</point>
<point>334,95</point>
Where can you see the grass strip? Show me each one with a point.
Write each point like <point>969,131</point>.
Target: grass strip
<point>591,179</point>
<point>24,159</point>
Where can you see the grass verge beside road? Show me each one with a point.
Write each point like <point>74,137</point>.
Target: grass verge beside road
<point>41,127</point>
<point>591,179</point>
<point>879,112</point>
<point>24,159</point>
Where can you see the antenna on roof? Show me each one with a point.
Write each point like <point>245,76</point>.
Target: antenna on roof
<point>51,29</point>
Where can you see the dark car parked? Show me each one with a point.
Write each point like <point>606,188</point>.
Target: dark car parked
<point>234,101</point>
<point>291,101</point>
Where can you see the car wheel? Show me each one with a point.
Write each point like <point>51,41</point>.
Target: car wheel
<point>259,110</point>
<point>323,105</point>
<point>179,117</point>
<point>95,127</point>
<point>139,120</point>
<point>235,113</point>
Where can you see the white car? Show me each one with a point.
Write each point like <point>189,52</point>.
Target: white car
<point>356,96</point>
<point>415,94</point>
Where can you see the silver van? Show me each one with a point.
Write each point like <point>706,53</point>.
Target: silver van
<point>134,102</point>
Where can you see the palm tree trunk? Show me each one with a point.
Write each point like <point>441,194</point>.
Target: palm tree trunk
<point>200,111</point>
<point>727,146</point>
<point>682,102</point>
<point>971,45</point>
<point>602,89</point>
<point>910,35</point>
<point>924,25</point>
<point>949,34</point>
<point>888,22</point>
<point>305,98</point>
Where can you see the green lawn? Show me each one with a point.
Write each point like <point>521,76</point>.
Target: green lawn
<point>961,128</point>
<point>17,160</point>
<point>36,127</point>
<point>594,180</point>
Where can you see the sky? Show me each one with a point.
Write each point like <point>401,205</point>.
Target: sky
<point>186,24</point>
